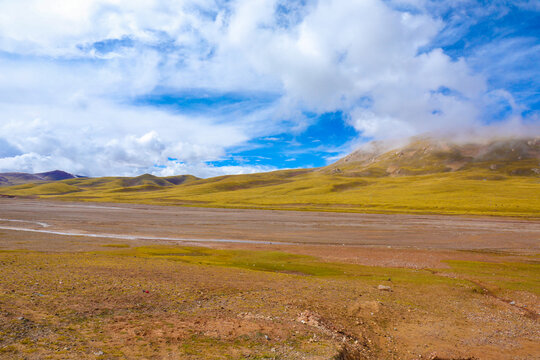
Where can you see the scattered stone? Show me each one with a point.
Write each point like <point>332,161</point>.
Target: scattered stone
<point>512,303</point>
<point>384,288</point>
<point>309,318</point>
<point>98,353</point>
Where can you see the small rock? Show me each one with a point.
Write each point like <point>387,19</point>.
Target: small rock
<point>384,288</point>
<point>98,353</point>
<point>512,303</point>
<point>267,337</point>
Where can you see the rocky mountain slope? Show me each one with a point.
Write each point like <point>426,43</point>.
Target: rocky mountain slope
<point>427,156</point>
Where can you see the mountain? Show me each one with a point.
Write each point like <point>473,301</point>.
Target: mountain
<point>427,175</point>
<point>428,156</point>
<point>17,178</point>
<point>56,175</point>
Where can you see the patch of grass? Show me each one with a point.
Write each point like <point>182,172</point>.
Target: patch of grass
<point>14,251</point>
<point>287,264</point>
<point>496,276</point>
<point>55,188</point>
<point>502,276</point>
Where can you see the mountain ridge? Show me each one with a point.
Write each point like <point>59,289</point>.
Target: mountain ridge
<point>426,155</point>
<point>17,178</point>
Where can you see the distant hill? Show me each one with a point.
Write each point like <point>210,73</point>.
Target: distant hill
<point>17,178</point>
<point>496,177</point>
<point>56,175</point>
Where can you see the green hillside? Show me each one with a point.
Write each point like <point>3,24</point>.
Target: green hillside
<point>498,178</point>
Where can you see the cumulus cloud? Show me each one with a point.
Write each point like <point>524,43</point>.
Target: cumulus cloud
<point>71,74</point>
<point>104,138</point>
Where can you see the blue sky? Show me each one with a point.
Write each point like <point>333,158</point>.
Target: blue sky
<point>214,87</point>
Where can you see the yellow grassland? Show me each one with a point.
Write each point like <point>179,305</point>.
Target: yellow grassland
<point>473,191</point>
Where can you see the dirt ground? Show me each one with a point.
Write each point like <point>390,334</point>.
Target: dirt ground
<point>73,285</point>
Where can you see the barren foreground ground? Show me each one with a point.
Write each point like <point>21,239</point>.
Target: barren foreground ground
<point>108,281</point>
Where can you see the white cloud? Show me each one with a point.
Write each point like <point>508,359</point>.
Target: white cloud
<point>104,138</point>
<point>205,171</point>
<point>69,72</point>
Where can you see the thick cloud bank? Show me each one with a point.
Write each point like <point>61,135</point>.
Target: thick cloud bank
<point>74,76</point>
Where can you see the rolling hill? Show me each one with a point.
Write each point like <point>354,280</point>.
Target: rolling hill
<point>497,177</point>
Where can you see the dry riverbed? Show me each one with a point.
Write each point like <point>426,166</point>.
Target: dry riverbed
<point>135,281</point>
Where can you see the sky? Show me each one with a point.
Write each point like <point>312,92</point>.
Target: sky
<point>214,87</point>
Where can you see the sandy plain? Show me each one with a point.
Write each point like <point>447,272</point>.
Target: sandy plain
<point>99,280</point>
